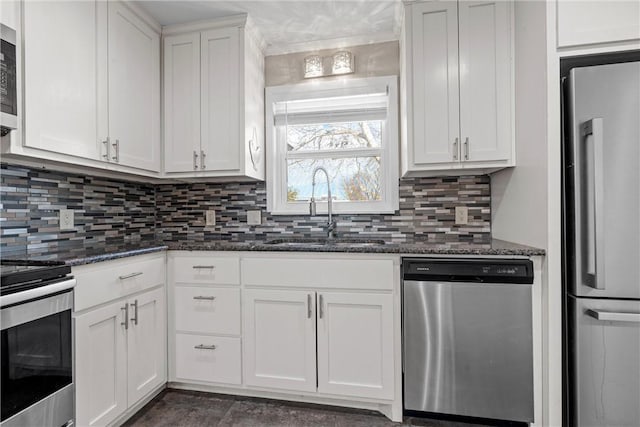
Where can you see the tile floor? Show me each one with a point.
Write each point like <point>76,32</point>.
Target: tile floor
<point>174,408</point>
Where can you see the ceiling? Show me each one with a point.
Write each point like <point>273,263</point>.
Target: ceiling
<point>294,25</point>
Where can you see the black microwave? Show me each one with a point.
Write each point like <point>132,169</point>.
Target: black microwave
<point>8,81</point>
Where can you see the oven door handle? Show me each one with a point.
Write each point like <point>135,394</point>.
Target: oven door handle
<point>56,298</point>
<point>36,293</point>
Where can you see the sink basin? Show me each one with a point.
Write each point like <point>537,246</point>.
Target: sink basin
<point>315,243</point>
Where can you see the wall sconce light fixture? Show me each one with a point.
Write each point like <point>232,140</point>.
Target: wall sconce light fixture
<point>313,66</point>
<point>341,63</point>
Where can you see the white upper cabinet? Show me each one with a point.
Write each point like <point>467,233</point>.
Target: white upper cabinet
<point>435,86</point>
<point>485,80</point>
<point>91,85</point>
<point>181,102</point>
<point>457,87</point>
<point>220,50</point>
<point>134,90</point>
<point>213,100</point>
<point>592,22</point>
<point>60,66</point>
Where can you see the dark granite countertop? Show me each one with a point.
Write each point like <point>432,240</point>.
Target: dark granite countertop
<point>89,255</point>
<point>495,247</point>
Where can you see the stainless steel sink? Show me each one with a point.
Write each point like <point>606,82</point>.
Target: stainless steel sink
<point>315,243</point>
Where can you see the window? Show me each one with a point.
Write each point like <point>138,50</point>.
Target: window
<point>347,126</point>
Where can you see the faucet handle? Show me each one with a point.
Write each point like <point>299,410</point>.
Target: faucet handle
<point>312,207</point>
<point>331,228</point>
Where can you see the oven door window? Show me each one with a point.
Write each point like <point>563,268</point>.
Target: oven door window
<point>36,361</point>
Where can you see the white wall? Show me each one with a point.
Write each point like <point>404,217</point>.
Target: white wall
<point>519,195</point>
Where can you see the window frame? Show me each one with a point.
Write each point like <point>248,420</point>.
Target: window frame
<point>277,203</point>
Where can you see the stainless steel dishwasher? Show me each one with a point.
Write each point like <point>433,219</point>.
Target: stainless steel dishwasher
<point>467,337</point>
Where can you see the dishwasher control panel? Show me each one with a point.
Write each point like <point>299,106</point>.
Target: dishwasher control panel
<point>469,270</point>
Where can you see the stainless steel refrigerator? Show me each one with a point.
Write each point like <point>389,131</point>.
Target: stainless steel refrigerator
<point>602,183</point>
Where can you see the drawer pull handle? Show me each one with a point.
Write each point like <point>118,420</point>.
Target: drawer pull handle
<point>129,276</point>
<point>204,266</point>
<point>204,297</point>
<point>205,347</point>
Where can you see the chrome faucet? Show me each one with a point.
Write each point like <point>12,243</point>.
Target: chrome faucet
<point>331,224</point>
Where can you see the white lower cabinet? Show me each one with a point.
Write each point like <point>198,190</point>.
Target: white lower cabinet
<point>204,324</point>
<point>120,337</point>
<point>208,358</point>
<point>280,339</point>
<point>146,344</point>
<point>120,356</point>
<point>355,344</point>
<point>322,328</point>
<point>101,365</point>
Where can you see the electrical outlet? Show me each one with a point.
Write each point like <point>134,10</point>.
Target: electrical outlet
<point>66,219</point>
<point>254,217</point>
<point>210,218</point>
<point>462,215</point>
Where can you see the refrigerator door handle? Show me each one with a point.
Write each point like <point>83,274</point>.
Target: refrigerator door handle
<point>613,316</point>
<point>595,183</point>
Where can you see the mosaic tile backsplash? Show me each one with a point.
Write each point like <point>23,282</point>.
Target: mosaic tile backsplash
<point>110,212</point>
<point>427,211</point>
<point>107,212</point>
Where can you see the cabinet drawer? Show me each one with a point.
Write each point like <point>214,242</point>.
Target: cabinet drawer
<point>197,360</point>
<point>206,269</point>
<point>110,280</point>
<point>207,310</point>
<point>319,273</point>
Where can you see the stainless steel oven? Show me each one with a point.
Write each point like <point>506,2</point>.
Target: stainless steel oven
<point>36,348</point>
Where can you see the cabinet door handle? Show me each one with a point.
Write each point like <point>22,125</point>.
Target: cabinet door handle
<point>116,146</point>
<point>466,148</point>
<point>129,276</point>
<point>202,158</point>
<point>205,347</point>
<point>308,306</point>
<point>202,297</point>
<point>106,145</point>
<point>320,309</point>
<point>204,266</point>
<point>134,319</point>
<point>455,149</point>
<point>126,316</point>
<point>195,160</point>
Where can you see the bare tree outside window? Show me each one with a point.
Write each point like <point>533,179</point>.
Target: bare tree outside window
<point>353,176</point>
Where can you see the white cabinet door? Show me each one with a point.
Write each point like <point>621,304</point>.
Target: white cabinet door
<point>485,80</point>
<point>603,21</point>
<point>435,83</point>
<point>182,103</point>
<point>147,354</point>
<point>60,66</point>
<point>279,339</point>
<point>101,365</point>
<point>355,344</point>
<point>134,90</point>
<point>220,99</point>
